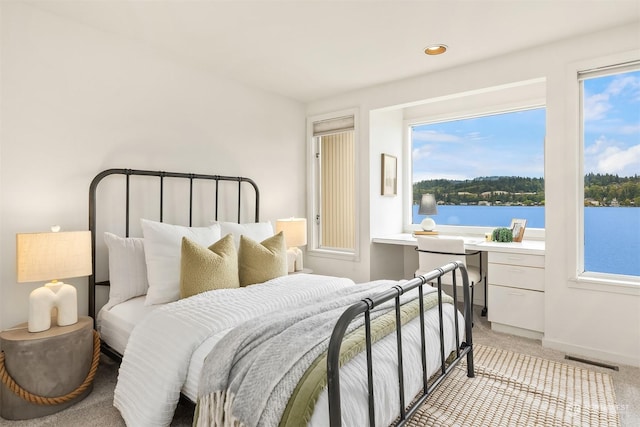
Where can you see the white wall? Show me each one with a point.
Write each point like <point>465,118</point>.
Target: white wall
<point>594,323</point>
<point>76,101</point>
<point>385,136</point>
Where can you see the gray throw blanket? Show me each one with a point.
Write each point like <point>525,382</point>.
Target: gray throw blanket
<point>248,377</point>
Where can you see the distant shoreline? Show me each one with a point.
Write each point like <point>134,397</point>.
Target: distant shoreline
<point>600,190</point>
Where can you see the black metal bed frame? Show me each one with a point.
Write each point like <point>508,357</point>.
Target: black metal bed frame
<point>464,348</point>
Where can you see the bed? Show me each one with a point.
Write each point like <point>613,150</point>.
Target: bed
<point>289,350</point>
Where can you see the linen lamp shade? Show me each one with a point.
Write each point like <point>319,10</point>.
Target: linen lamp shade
<point>49,257</point>
<point>295,234</point>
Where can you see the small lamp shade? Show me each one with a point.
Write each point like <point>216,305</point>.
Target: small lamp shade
<point>294,229</point>
<point>428,206</point>
<point>295,234</point>
<point>46,256</point>
<point>52,256</point>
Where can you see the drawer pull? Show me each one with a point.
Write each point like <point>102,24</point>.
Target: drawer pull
<point>516,270</point>
<point>516,294</point>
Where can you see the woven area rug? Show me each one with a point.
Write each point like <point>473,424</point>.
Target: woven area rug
<point>512,389</point>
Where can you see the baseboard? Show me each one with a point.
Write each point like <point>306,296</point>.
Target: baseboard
<point>591,353</point>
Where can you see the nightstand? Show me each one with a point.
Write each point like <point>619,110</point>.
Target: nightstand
<point>50,363</point>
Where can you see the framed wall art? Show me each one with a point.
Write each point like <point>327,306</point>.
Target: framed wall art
<point>389,175</point>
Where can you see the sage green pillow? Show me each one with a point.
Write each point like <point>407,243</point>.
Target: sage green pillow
<point>204,269</point>
<point>259,262</point>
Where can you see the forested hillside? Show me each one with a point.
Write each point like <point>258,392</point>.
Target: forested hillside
<point>600,190</point>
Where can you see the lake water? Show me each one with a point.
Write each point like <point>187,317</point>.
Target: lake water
<point>612,240</point>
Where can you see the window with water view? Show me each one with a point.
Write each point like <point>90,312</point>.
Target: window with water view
<point>486,170</point>
<point>483,171</point>
<point>611,163</point>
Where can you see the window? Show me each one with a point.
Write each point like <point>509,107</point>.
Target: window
<point>610,108</point>
<point>483,170</point>
<point>334,201</point>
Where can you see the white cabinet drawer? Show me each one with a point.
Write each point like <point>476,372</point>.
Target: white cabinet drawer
<point>516,307</point>
<point>516,259</point>
<point>516,276</point>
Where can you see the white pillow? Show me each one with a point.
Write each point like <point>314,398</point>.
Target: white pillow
<point>257,231</point>
<point>127,268</point>
<point>162,246</point>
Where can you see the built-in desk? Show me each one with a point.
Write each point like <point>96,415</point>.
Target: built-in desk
<point>515,280</point>
<point>471,243</point>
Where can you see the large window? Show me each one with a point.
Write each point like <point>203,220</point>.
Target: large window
<point>610,100</point>
<point>483,170</point>
<point>334,201</point>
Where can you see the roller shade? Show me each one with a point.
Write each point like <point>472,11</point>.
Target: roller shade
<point>609,69</point>
<point>337,125</point>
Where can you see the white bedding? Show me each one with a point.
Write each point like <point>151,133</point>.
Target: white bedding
<point>116,323</point>
<point>115,326</point>
<point>157,357</point>
<point>165,354</point>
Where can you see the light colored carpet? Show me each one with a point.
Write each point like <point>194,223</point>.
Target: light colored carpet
<point>511,389</point>
<point>97,409</point>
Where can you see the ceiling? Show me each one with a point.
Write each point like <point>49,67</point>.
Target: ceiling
<point>308,50</point>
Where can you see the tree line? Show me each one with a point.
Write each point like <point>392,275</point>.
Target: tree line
<point>605,188</point>
<point>600,190</point>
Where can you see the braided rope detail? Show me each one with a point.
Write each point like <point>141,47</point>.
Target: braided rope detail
<point>41,400</point>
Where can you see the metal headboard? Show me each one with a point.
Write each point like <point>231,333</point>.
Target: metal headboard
<point>128,173</point>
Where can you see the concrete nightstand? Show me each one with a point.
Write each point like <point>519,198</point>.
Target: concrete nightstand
<point>51,363</point>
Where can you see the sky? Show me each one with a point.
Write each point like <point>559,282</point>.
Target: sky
<point>612,124</point>
<point>512,144</point>
<point>509,144</point>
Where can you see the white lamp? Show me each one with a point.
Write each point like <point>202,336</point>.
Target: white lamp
<point>44,256</point>
<point>428,207</point>
<point>295,234</point>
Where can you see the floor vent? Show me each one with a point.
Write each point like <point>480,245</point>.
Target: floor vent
<point>591,362</point>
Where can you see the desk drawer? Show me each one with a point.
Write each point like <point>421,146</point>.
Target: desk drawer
<point>516,276</point>
<point>516,259</point>
<point>516,307</point>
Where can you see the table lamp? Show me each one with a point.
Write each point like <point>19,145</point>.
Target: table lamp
<point>428,207</point>
<point>295,234</point>
<point>52,256</point>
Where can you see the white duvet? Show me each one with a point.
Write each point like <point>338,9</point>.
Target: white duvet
<point>157,357</point>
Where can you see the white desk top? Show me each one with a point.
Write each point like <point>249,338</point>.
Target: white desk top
<point>532,247</point>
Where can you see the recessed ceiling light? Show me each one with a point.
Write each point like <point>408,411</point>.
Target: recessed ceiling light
<point>435,49</point>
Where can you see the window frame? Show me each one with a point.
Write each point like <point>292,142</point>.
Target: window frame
<point>578,278</point>
<point>314,192</point>
<point>487,110</point>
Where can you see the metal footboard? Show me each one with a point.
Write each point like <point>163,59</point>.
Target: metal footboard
<point>464,348</point>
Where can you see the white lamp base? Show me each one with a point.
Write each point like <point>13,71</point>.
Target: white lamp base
<point>428,224</point>
<point>294,259</point>
<point>44,299</point>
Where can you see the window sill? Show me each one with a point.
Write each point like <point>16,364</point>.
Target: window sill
<point>325,253</point>
<point>611,283</point>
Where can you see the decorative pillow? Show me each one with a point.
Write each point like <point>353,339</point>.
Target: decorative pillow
<point>259,262</point>
<point>204,269</point>
<point>257,231</point>
<point>127,268</point>
<point>162,247</point>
